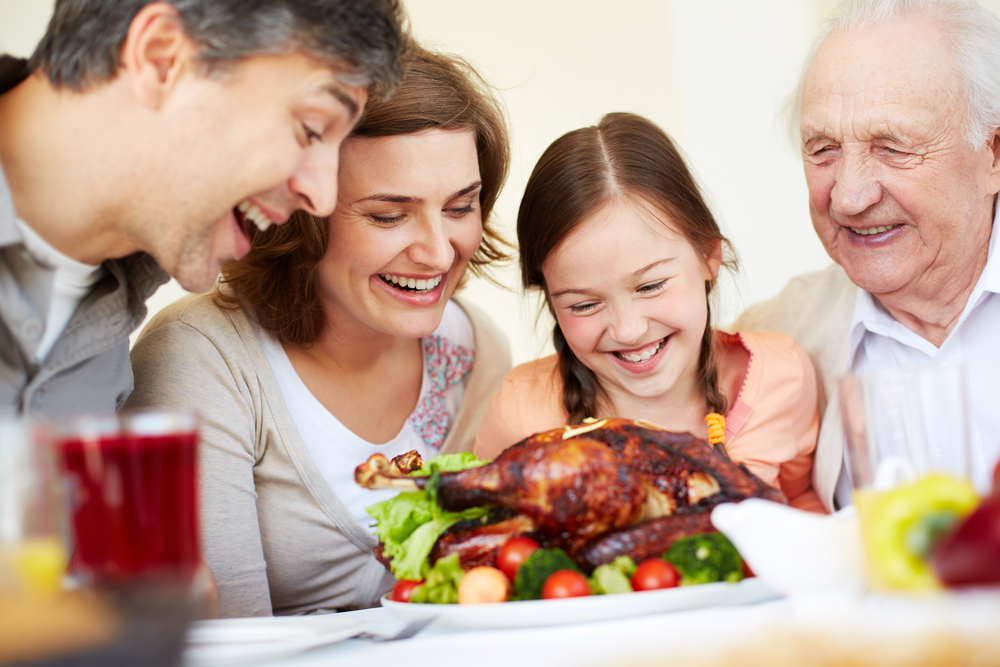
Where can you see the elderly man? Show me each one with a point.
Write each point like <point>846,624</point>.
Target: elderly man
<point>900,127</point>
<point>142,138</point>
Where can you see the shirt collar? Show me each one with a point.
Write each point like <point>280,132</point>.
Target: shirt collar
<point>871,316</point>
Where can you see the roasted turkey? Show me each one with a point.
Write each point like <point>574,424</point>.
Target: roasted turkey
<point>604,489</point>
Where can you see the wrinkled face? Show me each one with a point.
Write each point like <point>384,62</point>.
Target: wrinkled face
<point>629,295</point>
<point>896,194</point>
<point>245,146</point>
<point>406,225</point>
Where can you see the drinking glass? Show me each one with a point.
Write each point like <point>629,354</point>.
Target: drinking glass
<point>906,427</point>
<point>32,530</point>
<point>133,495</point>
<point>901,424</point>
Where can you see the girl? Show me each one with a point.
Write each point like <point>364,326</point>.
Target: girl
<point>614,231</point>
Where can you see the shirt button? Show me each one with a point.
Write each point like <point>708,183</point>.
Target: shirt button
<point>31,329</point>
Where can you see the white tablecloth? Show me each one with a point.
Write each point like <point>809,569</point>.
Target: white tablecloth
<point>873,630</point>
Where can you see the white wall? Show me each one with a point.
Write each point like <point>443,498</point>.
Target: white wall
<point>712,73</point>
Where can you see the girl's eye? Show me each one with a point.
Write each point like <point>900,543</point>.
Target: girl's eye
<point>311,135</point>
<point>580,308</point>
<point>650,288</point>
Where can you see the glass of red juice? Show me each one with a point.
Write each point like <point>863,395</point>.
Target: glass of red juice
<point>133,496</point>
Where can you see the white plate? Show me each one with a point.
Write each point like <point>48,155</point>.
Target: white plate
<point>577,610</point>
<point>232,641</point>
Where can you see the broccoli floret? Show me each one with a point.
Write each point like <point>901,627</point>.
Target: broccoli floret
<point>533,572</point>
<point>613,577</point>
<point>702,559</point>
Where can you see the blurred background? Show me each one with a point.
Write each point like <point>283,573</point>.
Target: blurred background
<point>715,74</point>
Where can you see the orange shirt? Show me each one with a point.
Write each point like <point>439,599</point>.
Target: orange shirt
<point>771,427</point>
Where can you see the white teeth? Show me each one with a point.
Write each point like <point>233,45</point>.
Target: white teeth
<point>872,230</point>
<point>253,213</point>
<point>412,283</point>
<point>645,356</point>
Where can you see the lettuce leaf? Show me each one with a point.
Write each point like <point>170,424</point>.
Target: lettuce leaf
<point>412,522</point>
<point>442,582</point>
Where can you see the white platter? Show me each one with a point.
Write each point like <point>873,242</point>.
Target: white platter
<point>238,641</point>
<point>533,613</point>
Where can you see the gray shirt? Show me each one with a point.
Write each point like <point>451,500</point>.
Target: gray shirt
<point>87,369</point>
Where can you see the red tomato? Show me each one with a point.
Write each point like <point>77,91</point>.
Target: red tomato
<point>403,589</point>
<point>513,554</point>
<point>653,574</point>
<point>565,584</point>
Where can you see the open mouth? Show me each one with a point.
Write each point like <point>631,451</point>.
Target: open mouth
<point>412,285</point>
<point>247,212</point>
<point>872,231</point>
<point>645,355</point>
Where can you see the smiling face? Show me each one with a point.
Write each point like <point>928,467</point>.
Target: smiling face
<point>629,295</point>
<point>408,212</point>
<point>896,194</point>
<point>250,145</point>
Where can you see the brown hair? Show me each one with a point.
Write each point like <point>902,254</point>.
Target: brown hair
<point>277,283</point>
<point>624,157</point>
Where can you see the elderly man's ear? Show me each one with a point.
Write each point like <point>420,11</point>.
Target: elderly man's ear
<point>156,54</point>
<point>993,143</point>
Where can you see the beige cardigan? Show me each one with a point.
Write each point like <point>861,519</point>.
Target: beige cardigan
<point>816,310</point>
<point>274,533</point>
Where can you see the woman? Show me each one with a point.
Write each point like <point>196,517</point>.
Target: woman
<point>614,231</point>
<point>336,339</point>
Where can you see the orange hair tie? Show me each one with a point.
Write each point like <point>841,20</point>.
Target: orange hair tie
<point>716,428</point>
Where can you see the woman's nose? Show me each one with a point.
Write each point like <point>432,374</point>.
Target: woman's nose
<point>432,246</point>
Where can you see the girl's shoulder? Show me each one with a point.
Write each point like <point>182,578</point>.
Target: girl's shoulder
<point>763,363</point>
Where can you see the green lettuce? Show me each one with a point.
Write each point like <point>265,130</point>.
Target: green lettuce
<point>441,584</point>
<point>412,522</point>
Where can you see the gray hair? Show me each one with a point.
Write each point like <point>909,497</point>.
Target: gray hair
<point>82,43</point>
<point>971,32</point>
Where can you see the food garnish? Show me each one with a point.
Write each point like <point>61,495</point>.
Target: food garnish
<point>483,585</point>
<point>703,559</point>
<point>565,584</point>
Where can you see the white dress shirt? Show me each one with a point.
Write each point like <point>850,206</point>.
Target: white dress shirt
<point>879,342</point>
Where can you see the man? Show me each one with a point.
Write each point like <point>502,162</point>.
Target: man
<point>141,140</point>
<point>900,110</point>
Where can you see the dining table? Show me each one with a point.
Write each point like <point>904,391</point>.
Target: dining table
<point>825,629</point>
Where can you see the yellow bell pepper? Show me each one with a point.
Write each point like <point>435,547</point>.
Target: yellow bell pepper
<point>901,525</point>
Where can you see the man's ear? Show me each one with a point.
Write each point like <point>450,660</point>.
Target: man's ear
<point>993,144</point>
<point>156,53</point>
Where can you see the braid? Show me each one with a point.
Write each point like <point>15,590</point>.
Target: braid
<point>580,386</point>
<point>708,368</point>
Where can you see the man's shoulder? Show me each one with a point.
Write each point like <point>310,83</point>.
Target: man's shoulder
<point>813,301</point>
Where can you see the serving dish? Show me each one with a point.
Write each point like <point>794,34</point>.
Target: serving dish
<point>532,613</point>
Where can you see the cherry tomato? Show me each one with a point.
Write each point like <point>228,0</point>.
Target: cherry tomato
<point>403,589</point>
<point>654,574</point>
<point>565,584</point>
<point>513,554</point>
